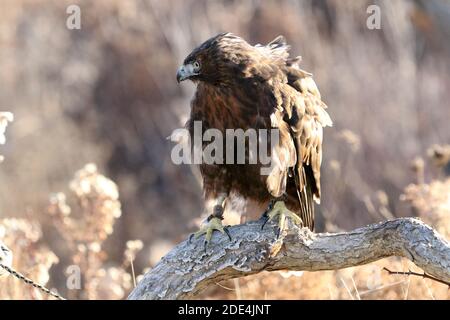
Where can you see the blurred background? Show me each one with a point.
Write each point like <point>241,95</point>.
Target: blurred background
<point>106,94</point>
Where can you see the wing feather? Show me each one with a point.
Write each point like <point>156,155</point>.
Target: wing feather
<point>304,112</point>
<point>307,128</point>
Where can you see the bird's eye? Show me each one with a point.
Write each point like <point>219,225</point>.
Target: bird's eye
<point>196,65</point>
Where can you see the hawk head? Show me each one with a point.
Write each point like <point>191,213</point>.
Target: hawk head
<point>227,58</point>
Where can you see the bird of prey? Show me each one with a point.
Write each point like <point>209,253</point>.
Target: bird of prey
<point>240,86</point>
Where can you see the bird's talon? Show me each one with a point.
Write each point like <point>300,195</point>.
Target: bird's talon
<point>279,209</point>
<point>265,219</point>
<point>227,231</point>
<point>212,224</point>
<point>278,233</point>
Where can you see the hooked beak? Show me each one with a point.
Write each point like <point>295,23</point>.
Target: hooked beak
<point>185,72</point>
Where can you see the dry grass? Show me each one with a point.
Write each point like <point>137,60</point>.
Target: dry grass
<point>32,257</point>
<point>84,231</point>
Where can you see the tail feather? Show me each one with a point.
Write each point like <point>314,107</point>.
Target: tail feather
<point>305,192</point>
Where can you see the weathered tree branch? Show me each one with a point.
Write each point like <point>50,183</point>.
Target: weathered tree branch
<point>188,268</point>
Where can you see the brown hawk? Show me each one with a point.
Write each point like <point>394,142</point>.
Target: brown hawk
<point>240,86</point>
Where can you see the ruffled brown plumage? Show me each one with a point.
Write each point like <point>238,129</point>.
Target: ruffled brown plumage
<point>240,86</point>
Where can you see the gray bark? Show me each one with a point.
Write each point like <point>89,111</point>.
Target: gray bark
<point>188,268</point>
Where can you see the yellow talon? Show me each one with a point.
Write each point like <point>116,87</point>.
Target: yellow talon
<point>207,228</point>
<point>279,209</point>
